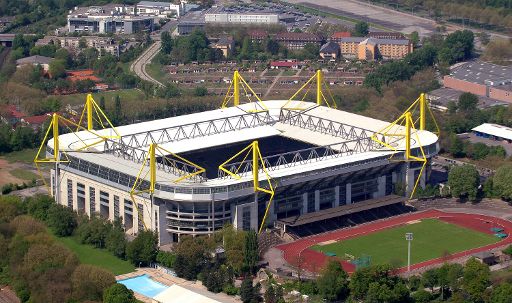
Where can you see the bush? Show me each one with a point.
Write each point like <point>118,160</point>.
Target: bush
<point>118,293</point>
<point>231,290</point>
<point>166,259</point>
<point>61,220</point>
<point>143,249</point>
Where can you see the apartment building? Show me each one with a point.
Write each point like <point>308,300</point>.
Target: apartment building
<point>102,44</point>
<point>297,40</point>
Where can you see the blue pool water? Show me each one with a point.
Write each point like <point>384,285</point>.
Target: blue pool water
<point>144,285</point>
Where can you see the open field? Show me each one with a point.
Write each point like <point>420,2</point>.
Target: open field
<point>433,238</point>
<point>124,94</point>
<point>17,167</point>
<point>99,257</point>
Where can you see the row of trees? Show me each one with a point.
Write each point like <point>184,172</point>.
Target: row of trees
<point>39,268</point>
<point>464,182</point>
<point>379,283</point>
<point>457,46</point>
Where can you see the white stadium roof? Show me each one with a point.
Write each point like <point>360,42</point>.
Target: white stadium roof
<point>216,118</point>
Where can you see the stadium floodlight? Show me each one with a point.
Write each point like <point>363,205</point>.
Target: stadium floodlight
<point>408,237</point>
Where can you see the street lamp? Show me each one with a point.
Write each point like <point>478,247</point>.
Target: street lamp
<point>408,237</point>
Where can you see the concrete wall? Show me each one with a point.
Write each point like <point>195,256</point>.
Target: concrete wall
<point>500,94</point>
<point>465,86</point>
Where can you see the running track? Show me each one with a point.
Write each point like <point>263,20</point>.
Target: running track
<point>313,261</point>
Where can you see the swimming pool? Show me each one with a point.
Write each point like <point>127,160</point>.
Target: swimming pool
<point>144,285</point>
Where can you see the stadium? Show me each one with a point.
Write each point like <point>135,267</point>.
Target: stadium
<point>281,163</point>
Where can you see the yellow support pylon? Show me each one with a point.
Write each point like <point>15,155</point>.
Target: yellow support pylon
<point>317,78</point>
<point>151,158</point>
<point>403,129</point>
<point>257,159</point>
<point>237,82</point>
<point>95,113</point>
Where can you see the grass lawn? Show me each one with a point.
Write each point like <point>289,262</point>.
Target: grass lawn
<point>124,94</point>
<point>24,174</point>
<point>99,257</point>
<point>25,156</point>
<point>155,70</point>
<point>432,239</point>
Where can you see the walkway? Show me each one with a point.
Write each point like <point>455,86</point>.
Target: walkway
<point>139,65</point>
<point>276,78</point>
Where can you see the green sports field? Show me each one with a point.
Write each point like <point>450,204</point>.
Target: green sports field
<point>432,239</point>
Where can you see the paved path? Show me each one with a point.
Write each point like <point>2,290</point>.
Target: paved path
<point>139,65</point>
<point>273,83</point>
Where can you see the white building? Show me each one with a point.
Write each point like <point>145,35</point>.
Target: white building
<point>152,8</point>
<point>221,15</point>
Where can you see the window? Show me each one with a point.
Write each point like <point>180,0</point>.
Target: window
<point>311,201</point>
<point>246,218</point>
<point>140,216</point>
<point>116,206</point>
<point>128,205</point>
<point>92,200</point>
<point>104,198</point>
<point>70,193</point>
<point>80,196</point>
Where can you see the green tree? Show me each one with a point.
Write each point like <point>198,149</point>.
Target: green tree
<point>251,256</point>
<point>248,292</point>
<point>118,112</point>
<point>115,241</point>
<point>191,256</point>
<point>38,206</point>
<point>62,220</point>
<point>166,42</point>
<point>467,102</point>
<point>166,259</point>
<point>501,182</point>
<point>333,282</point>
<point>118,293</point>
<point>430,279</point>
<point>274,294</point>
<point>57,69</point>
<point>361,29</point>
<point>143,249</point>
<point>89,282</point>
<point>502,293</point>
<point>464,181</point>
<point>200,91</point>
<point>415,38</point>
<point>102,103</point>
<point>475,280</point>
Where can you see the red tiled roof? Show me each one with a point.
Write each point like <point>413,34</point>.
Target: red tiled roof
<point>14,112</point>
<point>82,75</point>
<point>341,35</point>
<point>283,63</point>
<point>36,120</point>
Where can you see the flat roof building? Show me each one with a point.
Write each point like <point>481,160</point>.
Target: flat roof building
<point>318,158</point>
<point>221,15</point>
<point>365,48</point>
<point>483,79</point>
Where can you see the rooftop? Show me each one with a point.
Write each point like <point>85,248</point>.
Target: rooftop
<point>330,47</point>
<point>496,130</point>
<point>337,35</point>
<point>34,60</point>
<point>194,133</point>
<point>483,73</point>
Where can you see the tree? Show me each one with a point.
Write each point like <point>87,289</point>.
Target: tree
<point>61,220</point>
<point>102,103</point>
<point>251,256</point>
<point>118,293</point>
<point>166,259</point>
<point>89,282</point>
<point>166,42</point>
<point>333,282</point>
<point>361,29</point>
<point>467,102</point>
<point>37,206</point>
<point>118,112</point>
<point>115,241</point>
<point>57,69</point>
<point>501,182</point>
<point>143,249</point>
<point>82,43</point>
<point>502,293</point>
<point>200,91</point>
<point>192,254</point>
<point>430,279</point>
<point>415,38</point>
<point>274,294</point>
<point>475,280</point>
<point>464,181</point>
<point>248,292</point>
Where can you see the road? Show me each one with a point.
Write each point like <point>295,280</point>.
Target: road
<point>139,65</point>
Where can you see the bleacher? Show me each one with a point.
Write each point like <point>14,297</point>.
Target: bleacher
<point>348,220</point>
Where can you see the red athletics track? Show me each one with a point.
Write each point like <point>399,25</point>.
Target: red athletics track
<point>313,261</point>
